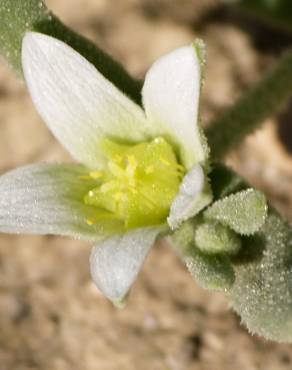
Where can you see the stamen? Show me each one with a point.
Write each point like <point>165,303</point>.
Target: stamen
<point>110,185</point>
<point>96,174</point>
<point>173,168</point>
<point>131,166</point>
<point>101,215</point>
<point>150,204</point>
<point>115,169</point>
<point>164,161</point>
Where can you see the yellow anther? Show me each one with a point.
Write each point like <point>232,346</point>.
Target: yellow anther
<point>95,174</point>
<point>90,222</point>
<point>91,193</point>
<point>158,140</point>
<point>149,169</point>
<point>132,165</point>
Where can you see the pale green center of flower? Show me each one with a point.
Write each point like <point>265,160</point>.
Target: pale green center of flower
<point>138,184</point>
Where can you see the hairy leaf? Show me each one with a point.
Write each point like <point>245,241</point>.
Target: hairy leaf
<point>262,292</point>
<point>210,272</point>
<point>244,212</point>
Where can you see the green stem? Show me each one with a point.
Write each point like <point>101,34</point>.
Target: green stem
<point>261,102</point>
<point>277,15</point>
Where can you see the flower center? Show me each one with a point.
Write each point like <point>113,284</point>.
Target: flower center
<point>138,184</point>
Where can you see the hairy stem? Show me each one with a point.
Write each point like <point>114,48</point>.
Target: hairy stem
<point>261,102</point>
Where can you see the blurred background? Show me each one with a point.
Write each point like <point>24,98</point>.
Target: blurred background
<point>51,314</point>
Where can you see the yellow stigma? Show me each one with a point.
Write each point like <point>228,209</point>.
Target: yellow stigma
<point>138,184</point>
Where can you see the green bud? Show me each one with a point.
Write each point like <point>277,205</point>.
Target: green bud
<point>210,272</point>
<point>215,238</point>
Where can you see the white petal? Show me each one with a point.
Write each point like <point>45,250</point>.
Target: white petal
<point>194,194</point>
<point>48,199</point>
<point>79,105</point>
<point>115,262</point>
<point>171,98</point>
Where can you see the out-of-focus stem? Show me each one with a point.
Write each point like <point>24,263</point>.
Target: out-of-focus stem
<point>262,101</point>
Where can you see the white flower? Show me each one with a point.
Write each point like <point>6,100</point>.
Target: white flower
<point>142,170</point>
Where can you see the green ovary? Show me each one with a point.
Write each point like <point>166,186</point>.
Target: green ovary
<point>138,184</point>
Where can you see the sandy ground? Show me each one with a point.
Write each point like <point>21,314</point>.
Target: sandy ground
<point>51,314</point>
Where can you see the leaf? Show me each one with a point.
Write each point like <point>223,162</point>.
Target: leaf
<point>244,212</point>
<point>20,16</point>
<point>262,291</point>
<point>210,272</point>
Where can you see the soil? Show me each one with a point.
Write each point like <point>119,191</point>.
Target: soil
<point>51,314</point>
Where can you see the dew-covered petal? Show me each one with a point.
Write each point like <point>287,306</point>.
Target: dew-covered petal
<point>77,102</point>
<point>48,199</point>
<point>194,194</point>
<point>115,262</point>
<point>171,99</point>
